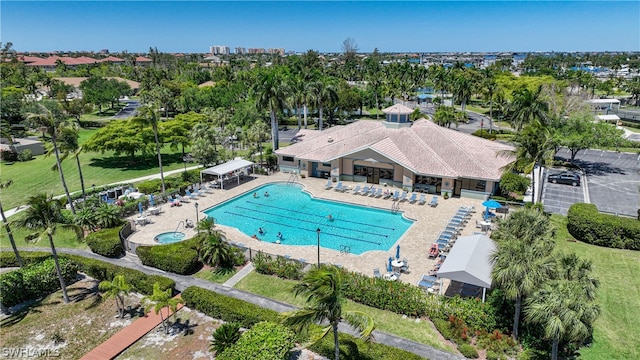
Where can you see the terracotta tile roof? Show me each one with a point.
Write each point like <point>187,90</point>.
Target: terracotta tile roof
<point>397,109</point>
<point>424,148</point>
<point>111,59</point>
<point>76,81</point>
<point>142,59</point>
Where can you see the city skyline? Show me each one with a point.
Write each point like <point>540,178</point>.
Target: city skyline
<point>194,26</point>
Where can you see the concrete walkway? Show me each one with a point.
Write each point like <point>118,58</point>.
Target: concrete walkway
<point>183,282</point>
<point>239,275</point>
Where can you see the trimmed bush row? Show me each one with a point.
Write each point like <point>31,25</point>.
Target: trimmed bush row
<point>106,242</point>
<point>97,269</point>
<point>35,280</point>
<point>265,340</point>
<point>180,258</point>
<point>279,266</point>
<point>352,348</point>
<point>586,224</point>
<point>226,308</point>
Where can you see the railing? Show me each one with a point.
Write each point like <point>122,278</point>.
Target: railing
<point>292,179</point>
<point>395,206</point>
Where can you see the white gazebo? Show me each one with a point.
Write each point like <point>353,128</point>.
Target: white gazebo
<point>230,167</point>
<point>468,262</point>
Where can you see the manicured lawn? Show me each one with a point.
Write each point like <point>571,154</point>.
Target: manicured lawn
<point>616,331</point>
<point>63,238</point>
<point>280,289</point>
<point>215,275</point>
<point>36,176</point>
<point>632,129</point>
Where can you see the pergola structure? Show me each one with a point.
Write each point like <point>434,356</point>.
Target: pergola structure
<point>231,167</point>
<point>468,262</point>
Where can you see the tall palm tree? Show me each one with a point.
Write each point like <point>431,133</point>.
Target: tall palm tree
<point>521,261</point>
<point>535,148</point>
<point>564,311</point>
<point>257,134</point>
<point>528,106</point>
<point>489,87</point>
<point>44,215</point>
<point>69,146</point>
<point>148,116</point>
<point>7,227</point>
<point>162,299</point>
<point>324,91</point>
<point>324,288</point>
<point>214,251</point>
<point>271,91</point>
<point>116,288</point>
<point>49,118</point>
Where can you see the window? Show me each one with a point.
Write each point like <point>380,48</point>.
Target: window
<point>473,184</point>
<point>287,158</point>
<point>326,164</point>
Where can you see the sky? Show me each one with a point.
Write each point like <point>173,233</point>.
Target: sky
<point>389,26</point>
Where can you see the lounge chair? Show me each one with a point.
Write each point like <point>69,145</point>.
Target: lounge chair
<point>387,194</point>
<point>339,187</point>
<point>478,226</point>
<point>470,209</point>
<point>413,198</point>
<point>364,191</point>
<point>190,195</point>
<point>356,190</point>
<point>182,198</point>
<point>376,273</point>
<point>405,267</point>
<point>197,192</point>
<point>329,185</point>
<point>372,191</point>
<point>403,197</point>
<point>396,195</point>
<point>378,193</point>
<point>434,202</point>
<point>423,199</point>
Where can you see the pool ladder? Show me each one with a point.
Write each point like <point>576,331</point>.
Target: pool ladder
<point>292,179</point>
<point>395,206</point>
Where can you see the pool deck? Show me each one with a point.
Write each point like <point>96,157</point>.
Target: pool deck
<point>414,244</point>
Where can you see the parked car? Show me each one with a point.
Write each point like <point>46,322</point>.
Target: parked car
<point>566,177</point>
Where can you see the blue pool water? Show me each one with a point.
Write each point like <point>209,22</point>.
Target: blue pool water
<point>297,215</point>
<point>169,237</point>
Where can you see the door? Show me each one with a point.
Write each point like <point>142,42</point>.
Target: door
<point>373,175</point>
<point>314,169</point>
<point>457,187</point>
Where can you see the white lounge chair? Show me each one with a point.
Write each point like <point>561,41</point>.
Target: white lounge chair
<point>434,202</point>
<point>365,190</point>
<point>413,198</point>
<point>423,199</point>
<point>356,190</point>
<point>379,192</point>
<point>339,187</point>
<point>396,195</point>
<point>329,185</point>
<point>403,197</point>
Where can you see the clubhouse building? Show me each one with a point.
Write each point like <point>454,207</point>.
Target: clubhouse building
<point>415,156</point>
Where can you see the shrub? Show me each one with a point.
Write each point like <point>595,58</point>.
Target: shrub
<point>8,155</point>
<point>476,315</point>
<point>586,224</point>
<point>25,155</point>
<point>443,327</point>
<point>35,280</point>
<point>8,259</point>
<point>514,183</point>
<point>180,258</point>
<point>395,296</point>
<point>152,186</point>
<point>352,348</point>
<point>106,242</point>
<point>468,351</point>
<point>284,268</point>
<point>225,336</point>
<point>264,340</point>
<point>226,308</point>
<point>237,256</point>
<point>140,281</point>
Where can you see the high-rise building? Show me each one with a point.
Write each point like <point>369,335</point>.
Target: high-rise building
<point>256,51</point>
<point>279,51</point>
<point>219,50</point>
<point>240,50</point>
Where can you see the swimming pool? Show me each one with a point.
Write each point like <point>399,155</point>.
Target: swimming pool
<point>169,237</point>
<point>296,215</point>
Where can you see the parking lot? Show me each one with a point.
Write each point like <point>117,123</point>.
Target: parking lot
<point>557,198</point>
<point>613,180</point>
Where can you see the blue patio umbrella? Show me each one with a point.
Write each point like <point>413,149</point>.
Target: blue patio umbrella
<point>152,201</point>
<point>140,208</point>
<point>398,252</point>
<point>389,267</point>
<point>491,204</point>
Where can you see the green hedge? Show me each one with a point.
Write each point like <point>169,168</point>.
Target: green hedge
<point>352,348</point>
<point>226,308</point>
<point>97,269</point>
<point>35,280</point>
<point>106,242</point>
<point>586,224</point>
<point>264,341</point>
<point>180,258</point>
<point>396,296</point>
<point>284,268</point>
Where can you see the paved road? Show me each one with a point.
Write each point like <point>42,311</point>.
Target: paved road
<point>183,282</point>
<point>129,110</point>
<point>613,179</point>
<point>557,198</point>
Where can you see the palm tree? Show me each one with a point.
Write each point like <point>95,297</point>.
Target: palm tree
<point>489,87</point>
<point>564,311</point>
<point>536,148</point>
<point>148,116</point>
<point>528,106</point>
<point>257,134</point>
<point>160,300</point>
<point>214,251</point>
<point>271,91</point>
<point>44,215</point>
<point>68,145</point>
<point>116,288</point>
<point>324,288</point>
<point>7,227</point>
<point>324,91</point>
<point>521,261</point>
<point>225,336</point>
<point>49,118</point>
